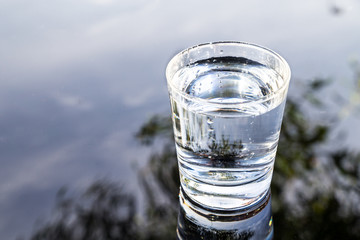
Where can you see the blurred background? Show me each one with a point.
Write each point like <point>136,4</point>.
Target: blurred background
<point>85,139</point>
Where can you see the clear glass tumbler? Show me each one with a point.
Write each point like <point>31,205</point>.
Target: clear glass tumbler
<point>227,101</point>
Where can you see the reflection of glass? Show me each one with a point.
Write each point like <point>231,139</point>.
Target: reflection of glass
<point>227,101</point>
<point>196,222</point>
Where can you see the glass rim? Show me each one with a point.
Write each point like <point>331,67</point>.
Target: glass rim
<point>287,74</point>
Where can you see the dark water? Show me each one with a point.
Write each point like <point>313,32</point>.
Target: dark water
<point>79,80</point>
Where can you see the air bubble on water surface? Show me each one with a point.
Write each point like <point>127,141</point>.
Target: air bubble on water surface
<point>197,72</point>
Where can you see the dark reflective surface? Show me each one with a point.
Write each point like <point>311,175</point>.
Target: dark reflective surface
<point>78,81</point>
<point>315,193</point>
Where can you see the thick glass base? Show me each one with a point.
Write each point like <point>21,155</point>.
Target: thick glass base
<point>196,222</point>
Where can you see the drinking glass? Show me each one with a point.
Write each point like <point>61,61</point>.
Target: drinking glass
<point>227,102</point>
